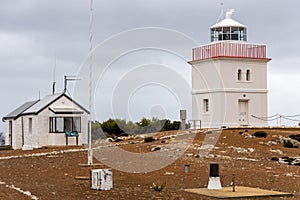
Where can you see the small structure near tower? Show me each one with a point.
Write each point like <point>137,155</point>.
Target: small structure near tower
<point>49,121</point>
<point>229,78</point>
<point>214,178</point>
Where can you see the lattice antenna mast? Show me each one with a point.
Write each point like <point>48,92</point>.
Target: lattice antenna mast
<point>221,16</point>
<point>90,151</point>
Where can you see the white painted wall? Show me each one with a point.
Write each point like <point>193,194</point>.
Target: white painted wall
<point>216,80</point>
<point>16,139</point>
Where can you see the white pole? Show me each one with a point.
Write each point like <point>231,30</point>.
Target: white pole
<point>90,151</point>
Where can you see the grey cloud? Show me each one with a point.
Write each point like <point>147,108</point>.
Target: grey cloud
<point>32,31</point>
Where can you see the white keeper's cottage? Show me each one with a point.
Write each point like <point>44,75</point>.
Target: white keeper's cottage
<point>229,78</point>
<point>45,122</point>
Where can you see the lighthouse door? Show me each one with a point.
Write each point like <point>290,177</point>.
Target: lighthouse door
<point>243,112</point>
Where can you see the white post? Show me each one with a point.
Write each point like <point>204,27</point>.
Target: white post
<point>90,151</point>
<point>182,118</point>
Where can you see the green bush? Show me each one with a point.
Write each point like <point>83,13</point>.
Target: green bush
<point>260,134</point>
<point>275,159</point>
<point>297,164</point>
<point>117,127</point>
<point>288,144</point>
<point>111,127</point>
<point>289,160</point>
<point>148,139</point>
<point>158,187</point>
<point>295,137</point>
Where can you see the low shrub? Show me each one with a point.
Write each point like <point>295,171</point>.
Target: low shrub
<point>275,159</point>
<point>148,139</point>
<point>289,144</point>
<point>5,147</point>
<point>289,160</point>
<point>297,164</point>
<point>295,137</point>
<point>260,134</point>
<point>158,187</point>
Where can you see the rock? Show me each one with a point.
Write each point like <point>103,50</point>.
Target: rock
<point>248,136</point>
<point>271,143</point>
<point>276,151</point>
<point>119,139</point>
<point>289,174</point>
<point>169,173</point>
<point>155,149</point>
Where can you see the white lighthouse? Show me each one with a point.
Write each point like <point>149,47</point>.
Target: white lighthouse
<point>229,78</point>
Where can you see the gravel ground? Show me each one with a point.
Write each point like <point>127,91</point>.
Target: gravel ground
<point>49,173</point>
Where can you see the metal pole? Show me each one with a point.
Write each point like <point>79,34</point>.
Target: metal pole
<point>280,120</point>
<point>90,151</point>
<point>65,84</point>
<point>233,183</point>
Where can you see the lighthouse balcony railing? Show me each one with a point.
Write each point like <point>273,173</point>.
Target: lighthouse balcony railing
<point>224,49</point>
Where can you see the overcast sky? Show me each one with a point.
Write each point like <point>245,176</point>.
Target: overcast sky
<point>32,32</point>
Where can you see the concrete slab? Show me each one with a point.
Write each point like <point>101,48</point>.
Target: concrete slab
<point>240,192</point>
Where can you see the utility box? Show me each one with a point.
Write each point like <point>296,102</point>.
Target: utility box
<point>101,179</point>
<point>183,114</point>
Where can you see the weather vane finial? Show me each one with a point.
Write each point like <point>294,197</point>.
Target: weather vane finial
<point>229,13</point>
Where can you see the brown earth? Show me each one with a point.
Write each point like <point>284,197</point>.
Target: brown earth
<point>52,175</point>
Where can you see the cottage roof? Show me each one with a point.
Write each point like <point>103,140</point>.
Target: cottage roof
<point>34,107</point>
<point>41,104</point>
<point>18,111</point>
<point>47,101</point>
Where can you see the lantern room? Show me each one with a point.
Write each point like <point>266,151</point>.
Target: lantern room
<point>228,30</point>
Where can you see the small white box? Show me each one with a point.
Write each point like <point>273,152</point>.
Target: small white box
<point>102,179</point>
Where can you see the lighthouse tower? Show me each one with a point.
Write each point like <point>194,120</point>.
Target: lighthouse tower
<point>229,78</point>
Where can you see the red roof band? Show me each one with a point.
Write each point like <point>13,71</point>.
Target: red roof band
<point>225,49</point>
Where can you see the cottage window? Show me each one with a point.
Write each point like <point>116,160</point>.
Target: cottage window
<point>63,124</point>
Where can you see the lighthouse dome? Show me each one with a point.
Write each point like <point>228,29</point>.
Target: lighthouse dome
<point>228,30</point>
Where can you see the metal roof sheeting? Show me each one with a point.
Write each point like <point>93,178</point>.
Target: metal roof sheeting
<point>41,104</point>
<point>18,111</point>
<point>34,107</point>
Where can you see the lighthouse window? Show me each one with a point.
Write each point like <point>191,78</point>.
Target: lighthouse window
<point>205,105</point>
<point>248,75</point>
<point>239,75</point>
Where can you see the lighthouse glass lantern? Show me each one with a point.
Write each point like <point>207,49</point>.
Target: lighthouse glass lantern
<point>228,29</point>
